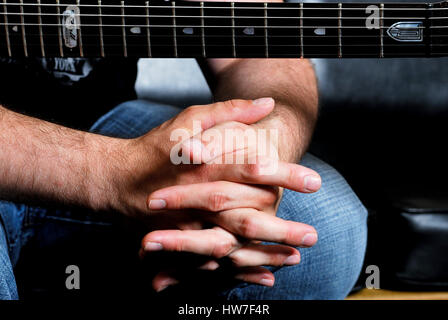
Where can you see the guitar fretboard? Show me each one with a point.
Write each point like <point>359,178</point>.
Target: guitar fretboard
<point>95,28</point>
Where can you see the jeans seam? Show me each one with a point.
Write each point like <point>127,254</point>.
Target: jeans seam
<point>8,243</point>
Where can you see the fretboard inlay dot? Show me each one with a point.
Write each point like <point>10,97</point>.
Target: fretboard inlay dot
<point>136,30</point>
<point>188,30</point>
<point>169,29</point>
<point>249,31</point>
<point>319,31</point>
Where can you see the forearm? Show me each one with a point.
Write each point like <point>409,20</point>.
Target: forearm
<point>41,161</point>
<point>291,82</point>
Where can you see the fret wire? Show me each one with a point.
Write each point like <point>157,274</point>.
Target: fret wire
<point>123,31</point>
<point>266,44</point>
<point>174,28</point>
<point>339,30</point>
<point>381,30</point>
<point>81,47</point>
<point>100,19</point>
<point>22,19</point>
<point>233,29</point>
<point>301,30</point>
<point>41,36</point>
<point>148,34</point>
<point>203,30</point>
<point>61,50</point>
<point>8,43</point>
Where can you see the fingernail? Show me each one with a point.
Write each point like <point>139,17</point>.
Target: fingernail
<point>309,239</point>
<point>211,265</point>
<point>292,260</point>
<point>267,282</point>
<point>166,284</point>
<point>263,101</point>
<point>312,183</point>
<point>162,288</point>
<point>156,204</point>
<point>153,246</point>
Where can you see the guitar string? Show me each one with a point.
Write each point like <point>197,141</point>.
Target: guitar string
<point>295,55</point>
<point>194,17</point>
<point>243,36</point>
<point>200,26</point>
<point>199,36</point>
<point>205,16</point>
<point>220,36</point>
<point>219,46</point>
<point>237,6</point>
<point>191,7</point>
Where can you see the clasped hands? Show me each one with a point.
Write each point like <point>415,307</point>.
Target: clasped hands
<point>212,208</point>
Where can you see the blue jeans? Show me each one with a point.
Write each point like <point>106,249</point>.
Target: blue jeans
<point>327,271</point>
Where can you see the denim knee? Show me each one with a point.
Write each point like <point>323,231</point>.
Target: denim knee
<point>330,269</point>
<point>8,288</point>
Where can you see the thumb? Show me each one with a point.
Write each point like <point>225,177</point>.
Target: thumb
<point>244,111</point>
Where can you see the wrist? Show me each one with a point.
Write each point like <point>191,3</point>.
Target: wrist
<point>121,170</point>
<point>286,124</point>
<point>104,163</point>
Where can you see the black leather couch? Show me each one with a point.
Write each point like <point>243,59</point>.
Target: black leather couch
<point>383,125</point>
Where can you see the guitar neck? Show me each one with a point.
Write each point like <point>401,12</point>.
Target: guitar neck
<point>139,28</point>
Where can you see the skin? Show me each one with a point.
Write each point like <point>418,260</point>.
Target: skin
<point>44,162</point>
<point>41,161</point>
<point>292,83</point>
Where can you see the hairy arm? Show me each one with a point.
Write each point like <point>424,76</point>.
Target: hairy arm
<point>41,161</point>
<point>291,82</point>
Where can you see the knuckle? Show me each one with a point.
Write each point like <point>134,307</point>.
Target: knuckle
<point>217,201</point>
<point>222,248</point>
<point>251,171</point>
<point>293,176</point>
<point>276,259</point>
<point>237,259</point>
<point>178,200</point>
<point>192,111</point>
<point>290,235</point>
<point>232,105</point>
<point>273,195</point>
<point>177,245</point>
<point>248,227</point>
<point>269,198</point>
